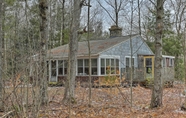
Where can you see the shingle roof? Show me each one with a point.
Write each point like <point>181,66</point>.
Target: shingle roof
<point>97,46</point>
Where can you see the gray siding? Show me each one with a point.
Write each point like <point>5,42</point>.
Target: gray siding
<point>123,49</point>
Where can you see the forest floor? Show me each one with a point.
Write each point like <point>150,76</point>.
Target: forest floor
<point>115,103</point>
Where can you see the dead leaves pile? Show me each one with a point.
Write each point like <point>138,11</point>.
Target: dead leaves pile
<point>116,103</point>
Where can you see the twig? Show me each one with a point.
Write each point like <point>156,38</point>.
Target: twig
<point>7,114</point>
<point>122,95</point>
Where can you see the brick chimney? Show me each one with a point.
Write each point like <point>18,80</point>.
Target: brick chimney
<point>115,31</point>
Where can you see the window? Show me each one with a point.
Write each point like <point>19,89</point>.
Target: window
<point>80,66</point>
<point>109,66</point>
<point>86,63</point>
<point>170,62</point>
<point>83,66</point>
<point>148,62</point>
<point>117,66</point>
<point>65,62</point>
<point>53,67</point>
<point>103,67</point>
<point>113,70</point>
<point>128,62</point>
<point>60,67</point>
<point>167,61</point>
<point>94,66</point>
<point>47,62</point>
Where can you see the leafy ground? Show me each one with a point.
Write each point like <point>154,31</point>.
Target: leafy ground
<point>115,103</point>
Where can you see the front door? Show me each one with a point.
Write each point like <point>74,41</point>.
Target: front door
<point>149,66</point>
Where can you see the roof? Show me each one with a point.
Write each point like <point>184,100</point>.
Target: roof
<point>97,46</point>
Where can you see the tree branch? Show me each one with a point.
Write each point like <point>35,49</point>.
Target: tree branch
<point>106,11</point>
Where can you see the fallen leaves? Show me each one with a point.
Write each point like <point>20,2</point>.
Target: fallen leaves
<point>114,103</point>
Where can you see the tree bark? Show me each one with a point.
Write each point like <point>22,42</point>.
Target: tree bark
<point>183,107</point>
<point>157,92</point>
<point>89,53</point>
<point>1,59</point>
<point>44,38</point>
<point>139,17</point>
<point>72,57</point>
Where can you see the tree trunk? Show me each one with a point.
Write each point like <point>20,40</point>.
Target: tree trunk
<point>183,107</point>
<point>1,59</point>
<point>44,38</point>
<point>116,12</point>
<point>157,92</point>
<point>73,47</point>
<point>139,17</point>
<point>89,53</point>
<point>131,55</point>
<point>62,28</point>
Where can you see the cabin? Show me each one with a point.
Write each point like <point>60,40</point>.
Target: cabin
<point>111,60</point>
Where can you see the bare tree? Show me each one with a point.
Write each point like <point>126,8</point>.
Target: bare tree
<point>139,17</point>
<point>179,7</point>
<point>157,92</point>
<point>73,47</point>
<point>43,6</point>
<point>117,6</point>
<point>89,50</point>
<point>131,53</point>
<point>1,59</point>
<point>62,23</point>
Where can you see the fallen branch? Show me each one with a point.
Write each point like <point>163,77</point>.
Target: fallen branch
<point>7,114</point>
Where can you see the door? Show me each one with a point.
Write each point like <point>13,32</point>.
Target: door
<point>149,66</point>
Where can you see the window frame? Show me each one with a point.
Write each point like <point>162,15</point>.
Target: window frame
<point>59,66</point>
<point>86,67</point>
<point>108,65</point>
<point>130,61</point>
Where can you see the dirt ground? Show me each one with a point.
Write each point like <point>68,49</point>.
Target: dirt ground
<point>115,103</point>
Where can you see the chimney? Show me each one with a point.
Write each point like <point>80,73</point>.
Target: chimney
<point>115,31</point>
